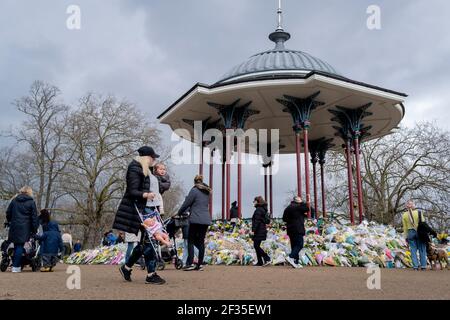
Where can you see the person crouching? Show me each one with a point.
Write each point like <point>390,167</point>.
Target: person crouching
<point>51,246</point>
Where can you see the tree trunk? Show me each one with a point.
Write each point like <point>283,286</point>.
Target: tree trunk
<point>92,236</point>
<point>48,194</point>
<point>41,169</point>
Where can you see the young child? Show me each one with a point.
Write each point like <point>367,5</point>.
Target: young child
<point>159,183</point>
<point>160,173</point>
<point>155,228</point>
<point>51,245</point>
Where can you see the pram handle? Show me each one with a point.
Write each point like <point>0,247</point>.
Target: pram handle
<point>183,215</point>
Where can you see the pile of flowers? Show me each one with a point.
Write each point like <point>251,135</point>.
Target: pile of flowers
<point>326,244</point>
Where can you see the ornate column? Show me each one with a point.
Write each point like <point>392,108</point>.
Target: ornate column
<point>350,130</point>
<point>314,159</point>
<point>301,110</point>
<point>233,117</point>
<point>211,181</point>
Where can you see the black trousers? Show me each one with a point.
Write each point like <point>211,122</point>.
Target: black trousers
<point>67,249</point>
<point>261,255</point>
<point>296,245</point>
<point>196,237</point>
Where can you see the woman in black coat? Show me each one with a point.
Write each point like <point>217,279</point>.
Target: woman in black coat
<point>22,218</point>
<point>259,230</point>
<point>127,219</point>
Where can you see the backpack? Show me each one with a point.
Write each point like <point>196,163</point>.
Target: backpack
<point>423,230</point>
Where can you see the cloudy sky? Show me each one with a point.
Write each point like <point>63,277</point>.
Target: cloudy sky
<point>152,51</point>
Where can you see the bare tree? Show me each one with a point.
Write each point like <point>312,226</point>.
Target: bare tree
<point>76,160</point>
<point>104,133</point>
<point>15,172</point>
<point>173,197</point>
<point>42,132</point>
<point>411,163</point>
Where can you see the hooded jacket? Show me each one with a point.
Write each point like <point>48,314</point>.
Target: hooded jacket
<point>22,218</point>
<point>51,241</point>
<point>197,201</point>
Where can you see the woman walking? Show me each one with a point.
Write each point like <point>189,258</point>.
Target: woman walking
<point>137,193</point>
<point>259,230</point>
<point>199,220</point>
<point>22,218</point>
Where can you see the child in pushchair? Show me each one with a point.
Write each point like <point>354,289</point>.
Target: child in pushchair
<point>29,258</point>
<point>155,228</point>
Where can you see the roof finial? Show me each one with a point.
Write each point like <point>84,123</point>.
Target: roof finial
<point>280,16</point>
<point>279,36</point>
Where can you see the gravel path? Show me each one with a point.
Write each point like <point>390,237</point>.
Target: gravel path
<point>229,282</point>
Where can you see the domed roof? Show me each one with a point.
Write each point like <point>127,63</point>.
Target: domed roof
<point>278,61</point>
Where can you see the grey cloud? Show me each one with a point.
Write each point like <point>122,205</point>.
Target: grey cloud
<point>151,52</point>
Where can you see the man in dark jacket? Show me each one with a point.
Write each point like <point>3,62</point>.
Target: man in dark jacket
<point>22,218</point>
<point>51,245</point>
<point>234,210</point>
<point>294,216</point>
<point>128,220</point>
<point>197,201</point>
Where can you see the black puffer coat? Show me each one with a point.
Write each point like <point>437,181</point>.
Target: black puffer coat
<point>258,222</point>
<point>127,219</point>
<point>22,218</point>
<point>294,216</point>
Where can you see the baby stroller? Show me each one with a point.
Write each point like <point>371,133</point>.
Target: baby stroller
<point>162,257</point>
<point>173,225</point>
<point>29,258</point>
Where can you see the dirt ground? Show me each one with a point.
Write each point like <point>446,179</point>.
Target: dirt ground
<point>229,282</point>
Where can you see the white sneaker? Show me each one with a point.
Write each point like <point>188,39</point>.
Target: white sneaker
<point>291,262</point>
<point>16,270</point>
<point>267,263</point>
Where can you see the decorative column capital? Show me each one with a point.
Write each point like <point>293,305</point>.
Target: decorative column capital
<point>320,148</point>
<point>350,122</point>
<point>234,116</point>
<point>297,128</point>
<point>300,109</point>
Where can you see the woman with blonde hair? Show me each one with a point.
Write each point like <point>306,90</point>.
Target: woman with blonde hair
<point>139,193</point>
<point>22,218</point>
